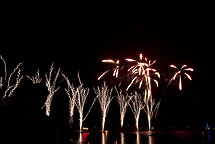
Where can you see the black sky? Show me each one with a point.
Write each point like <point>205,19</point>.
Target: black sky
<point>85,34</point>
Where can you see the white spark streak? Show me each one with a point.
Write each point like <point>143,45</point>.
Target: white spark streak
<point>108,61</point>
<point>5,69</point>
<point>183,66</point>
<point>104,95</point>
<point>156,82</point>
<point>51,88</point>
<point>141,56</point>
<point>151,107</point>
<point>115,69</point>
<point>36,78</point>
<point>188,69</point>
<point>180,84</point>
<point>130,60</point>
<point>103,74</point>
<point>173,66</point>
<point>123,101</point>
<point>136,104</point>
<point>8,85</point>
<point>71,93</point>
<point>81,96</point>
<point>188,76</point>
<point>179,73</point>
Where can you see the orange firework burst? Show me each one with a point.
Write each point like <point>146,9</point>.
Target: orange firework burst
<point>115,69</point>
<point>179,73</point>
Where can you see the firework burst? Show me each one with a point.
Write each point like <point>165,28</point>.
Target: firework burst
<point>178,74</point>
<point>142,71</point>
<point>115,69</point>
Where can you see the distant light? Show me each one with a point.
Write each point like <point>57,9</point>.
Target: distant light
<point>85,128</point>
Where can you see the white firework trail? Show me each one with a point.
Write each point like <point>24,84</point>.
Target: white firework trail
<point>71,93</point>
<point>104,95</point>
<point>36,79</point>
<point>151,108</point>
<point>136,104</point>
<point>51,87</point>
<point>123,101</point>
<point>80,93</point>
<point>8,84</point>
<point>145,74</point>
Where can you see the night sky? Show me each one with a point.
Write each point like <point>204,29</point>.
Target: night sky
<point>78,38</point>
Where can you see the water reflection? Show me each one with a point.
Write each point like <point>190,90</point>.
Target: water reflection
<point>122,138</point>
<point>104,137</point>
<point>128,137</point>
<point>151,140</point>
<point>209,137</point>
<point>144,138</point>
<point>82,138</point>
<point>138,137</point>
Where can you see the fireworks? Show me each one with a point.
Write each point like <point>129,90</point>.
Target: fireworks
<point>179,73</point>
<point>123,101</point>
<point>71,93</point>
<point>104,94</point>
<point>51,87</point>
<point>142,71</point>
<point>136,104</point>
<point>139,66</point>
<point>36,79</point>
<point>143,74</point>
<point>77,97</point>
<point>115,69</point>
<point>9,83</point>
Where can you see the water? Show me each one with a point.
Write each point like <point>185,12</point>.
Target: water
<point>170,137</point>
